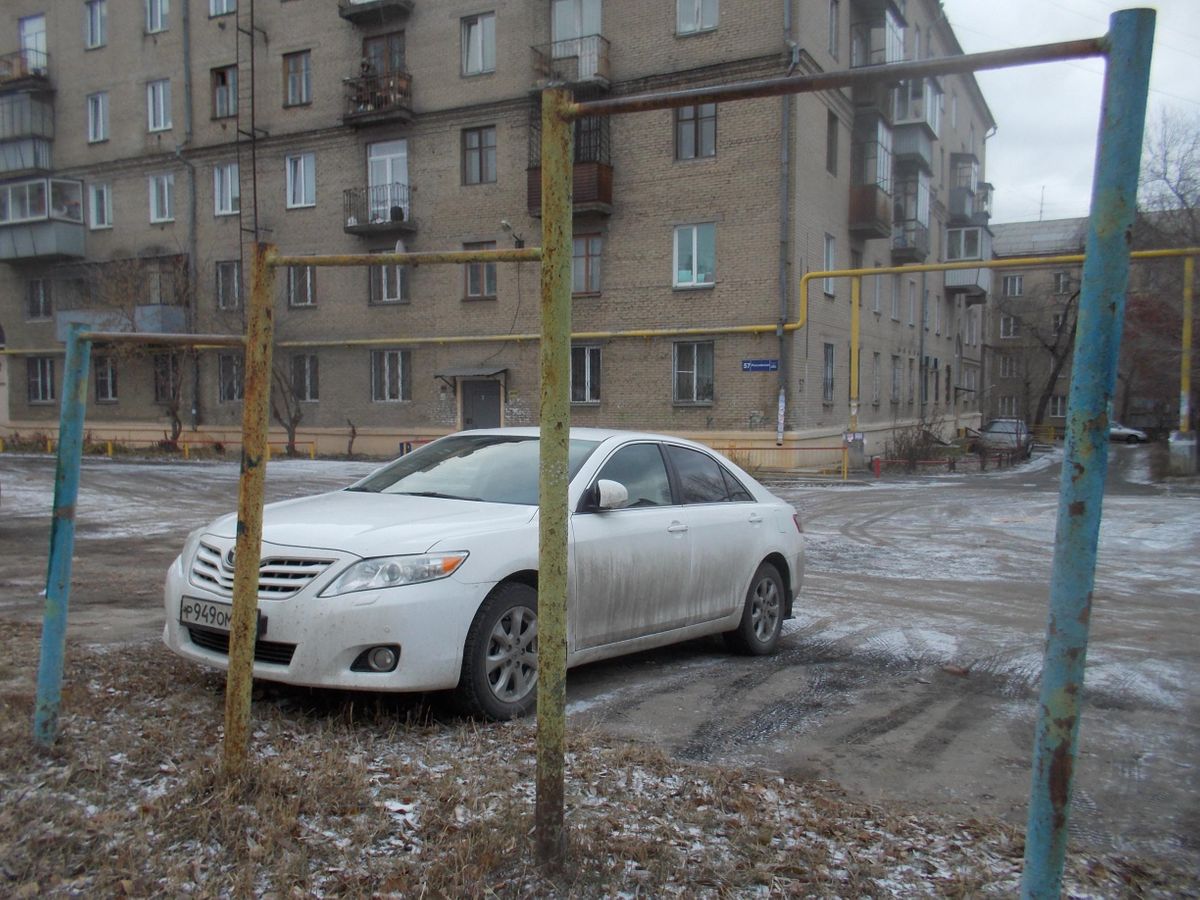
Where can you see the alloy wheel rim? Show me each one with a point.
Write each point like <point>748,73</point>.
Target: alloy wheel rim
<point>511,660</point>
<point>764,610</point>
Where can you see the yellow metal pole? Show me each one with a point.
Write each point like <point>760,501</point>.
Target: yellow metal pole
<point>557,139</point>
<point>855,334</point>
<point>109,446</point>
<point>1185,370</point>
<point>255,421</point>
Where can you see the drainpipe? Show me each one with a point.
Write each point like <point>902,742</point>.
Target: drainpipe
<point>191,169</point>
<point>922,369</point>
<point>785,224</point>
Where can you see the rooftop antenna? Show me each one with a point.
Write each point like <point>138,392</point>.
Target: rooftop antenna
<point>1042,203</point>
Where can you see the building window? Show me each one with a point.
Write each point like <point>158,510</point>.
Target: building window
<point>162,198</point>
<point>166,378</point>
<point>229,378</point>
<point>875,363</point>
<point>1010,326</point>
<point>229,284</point>
<point>224,92</point>
<point>696,131</point>
<point>479,155</point>
<point>912,383</point>
<point>585,264</point>
<point>829,261</point>
<point>106,379</point>
<point>1013,285</point>
<point>1058,406</point>
<point>585,374</point>
<point>156,15</point>
<point>937,314</point>
<point>301,180</point>
<point>827,374</point>
<point>1062,283</point>
<point>39,379</point>
<point>479,44</point>
<point>480,277</point>
<point>912,303</point>
<point>390,378</point>
<point>1008,405</point>
<point>695,15</point>
<point>877,298</point>
<point>835,26</point>
<point>831,142</point>
<point>693,367</point>
<point>305,382</point>
<point>695,255</point>
<point>37,300</point>
<point>962,243</point>
<point>1008,367</point>
<point>227,189</point>
<point>100,206</point>
<point>97,117</point>
<point>221,7</point>
<point>158,105</point>
<point>897,377</point>
<point>896,298</point>
<point>297,78</point>
<point>95,24</point>
<point>302,285</point>
<point>389,284</point>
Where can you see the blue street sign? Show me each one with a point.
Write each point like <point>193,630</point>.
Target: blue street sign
<point>760,365</point>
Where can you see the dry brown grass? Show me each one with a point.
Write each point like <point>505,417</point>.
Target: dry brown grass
<point>365,797</point>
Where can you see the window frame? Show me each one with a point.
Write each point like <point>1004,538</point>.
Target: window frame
<point>378,282</point>
<point>486,34</point>
<point>592,359</point>
<point>228,91</point>
<point>227,189</point>
<point>897,380</point>
<point>1062,283</point>
<point>701,116</point>
<point>695,12</point>
<point>829,263</point>
<point>832,126</point>
<point>695,348</point>
<point>835,28</point>
<point>484,272</point>
<point>231,381</point>
<point>39,373</point>
<point>403,364</point>
<point>876,366</point>
<point>1010,326</point>
<point>478,162</point>
<point>94,189</point>
<point>828,373</point>
<point>297,77</point>
<point>158,105</point>
<point>292,284</point>
<point>167,213</point>
<point>166,375</point>
<point>228,7</point>
<point>1009,282</point>
<point>95,24</point>
<point>304,371</point>
<point>41,309</point>
<point>1008,366</point>
<point>593,263</point>
<point>1058,406</point>
<point>697,269</point>
<point>97,117</point>
<point>105,376</point>
<point>220,281</point>
<point>306,169</point>
<point>157,16</point>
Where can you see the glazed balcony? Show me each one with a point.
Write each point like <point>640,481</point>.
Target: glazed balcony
<point>910,242</point>
<point>575,61</point>
<point>24,67</point>
<point>145,318</point>
<point>41,218</point>
<point>379,209</point>
<point>365,13</point>
<point>913,146</point>
<point>373,99</point>
<point>870,211</point>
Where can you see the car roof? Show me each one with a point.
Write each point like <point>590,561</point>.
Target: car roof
<point>587,434</point>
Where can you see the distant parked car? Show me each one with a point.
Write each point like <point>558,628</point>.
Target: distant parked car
<point>1006,434</point>
<point>1119,432</point>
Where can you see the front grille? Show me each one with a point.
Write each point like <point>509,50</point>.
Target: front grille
<point>264,651</point>
<point>279,577</point>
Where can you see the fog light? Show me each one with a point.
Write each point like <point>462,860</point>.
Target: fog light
<point>383,658</point>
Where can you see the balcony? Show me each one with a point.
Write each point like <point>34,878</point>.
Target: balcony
<point>24,67</point>
<point>576,61</point>
<point>591,188</point>
<point>32,228</point>
<point>918,101</point>
<point>976,284</point>
<point>374,12</point>
<point>876,33</point>
<point>913,146</point>
<point>373,99</point>
<point>147,318</point>
<point>964,245</point>
<point>910,242</point>
<point>874,99</point>
<point>870,211</point>
<point>378,209</point>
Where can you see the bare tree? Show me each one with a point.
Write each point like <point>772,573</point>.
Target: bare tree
<point>1046,321</point>
<point>285,404</point>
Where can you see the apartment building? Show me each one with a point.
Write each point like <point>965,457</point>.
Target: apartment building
<point>146,144</point>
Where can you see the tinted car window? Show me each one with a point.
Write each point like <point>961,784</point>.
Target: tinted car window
<point>737,493</point>
<point>641,469</point>
<point>700,477</point>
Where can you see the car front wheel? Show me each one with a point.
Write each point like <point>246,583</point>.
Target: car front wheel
<point>499,669</point>
<point>1132,439</point>
<point>762,616</point>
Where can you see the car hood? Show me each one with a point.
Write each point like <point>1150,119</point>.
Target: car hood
<point>369,524</point>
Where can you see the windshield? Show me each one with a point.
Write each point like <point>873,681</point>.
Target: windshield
<point>487,467</point>
<point>1002,427</point>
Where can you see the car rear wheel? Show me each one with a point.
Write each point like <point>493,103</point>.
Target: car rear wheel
<point>1132,439</point>
<point>762,616</point>
<point>499,669</point>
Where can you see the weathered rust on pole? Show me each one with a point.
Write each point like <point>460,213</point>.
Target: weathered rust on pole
<point>1185,365</point>
<point>437,257</point>
<point>855,337</point>
<point>555,423</point>
<point>255,411</point>
<point>846,78</point>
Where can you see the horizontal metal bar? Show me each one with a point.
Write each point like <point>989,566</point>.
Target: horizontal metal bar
<point>186,340</point>
<point>446,257</point>
<point>824,81</point>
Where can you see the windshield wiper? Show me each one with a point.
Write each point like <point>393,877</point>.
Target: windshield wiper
<point>437,495</point>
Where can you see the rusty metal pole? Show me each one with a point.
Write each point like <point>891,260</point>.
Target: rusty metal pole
<point>1185,365</point>
<point>255,422</point>
<point>855,338</point>
<point>555,418</point>
<point>1085,457</point>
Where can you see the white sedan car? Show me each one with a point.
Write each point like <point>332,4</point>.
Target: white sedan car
<point>423,576</point>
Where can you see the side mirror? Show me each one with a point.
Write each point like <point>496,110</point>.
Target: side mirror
<point>612,494</point>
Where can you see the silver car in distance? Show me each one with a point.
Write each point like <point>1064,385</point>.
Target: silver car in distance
<point>423,575</point>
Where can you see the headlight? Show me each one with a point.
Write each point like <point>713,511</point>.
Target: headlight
<point>394,571</point>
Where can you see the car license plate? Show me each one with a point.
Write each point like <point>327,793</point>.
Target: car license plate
<point>217,616</point>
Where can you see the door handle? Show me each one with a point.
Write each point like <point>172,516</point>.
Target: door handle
<point>676,528</point>
<point>755,519</point>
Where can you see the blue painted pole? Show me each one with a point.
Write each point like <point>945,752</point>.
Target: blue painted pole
<point>1085,461</point>
<point>62,537</point>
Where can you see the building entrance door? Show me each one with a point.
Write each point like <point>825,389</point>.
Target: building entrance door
<point>480,404</point>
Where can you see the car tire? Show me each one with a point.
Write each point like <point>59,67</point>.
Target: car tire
<point>762,615</point>
<point>1132,439</point>
<point>499,668</point>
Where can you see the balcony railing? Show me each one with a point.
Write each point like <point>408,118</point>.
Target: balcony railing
<point>372,98</point>
<point>910,241</point>
<point>378,209</point>
<point>23,64</point>
<point>870,211</point>
<point>591,184</point>
<point>581,60</point>
<point>374,12</point>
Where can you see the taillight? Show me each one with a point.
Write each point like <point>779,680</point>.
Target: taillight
<point>796,519</point>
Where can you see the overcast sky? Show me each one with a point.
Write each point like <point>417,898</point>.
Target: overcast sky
<point>1042,155</point>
